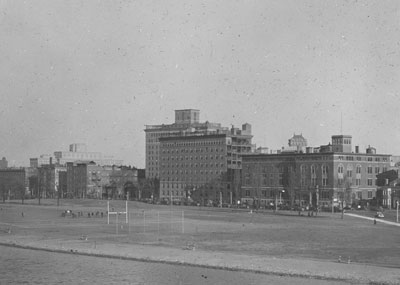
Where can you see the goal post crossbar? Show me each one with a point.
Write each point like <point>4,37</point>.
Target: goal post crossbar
<point>117,213</point>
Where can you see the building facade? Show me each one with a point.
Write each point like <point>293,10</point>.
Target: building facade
<point>89,180</point>
<point>330,177</point>
<point>203,165</point>
<point>186,121</point>
<point>44,159</point>
<point>49,180</point>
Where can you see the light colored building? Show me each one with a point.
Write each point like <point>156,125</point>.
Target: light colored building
<point>334,175</point>
<point>78,152</point>
<point>43,159</point>
<point>298,140</point>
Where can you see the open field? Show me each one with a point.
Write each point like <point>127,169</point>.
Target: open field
<point>284,235</point>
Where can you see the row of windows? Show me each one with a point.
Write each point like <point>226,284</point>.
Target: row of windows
<point>349,170</point>
<point>187,150</point>
<point>190,172</point>
<point>341,141</point>
<point>173,193</point>
<point>359,158</point>
<point>195,165</point>
<point>196,143</point>
<point>370,181</point>
<point>206,157</point>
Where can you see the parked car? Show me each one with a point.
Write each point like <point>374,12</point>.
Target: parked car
<point>379,215</point>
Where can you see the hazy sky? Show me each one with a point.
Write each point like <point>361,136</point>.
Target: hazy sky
<point>98,71</point>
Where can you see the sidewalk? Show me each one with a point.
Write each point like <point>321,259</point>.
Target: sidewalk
<point>372,219</point>
<point>354,273</point>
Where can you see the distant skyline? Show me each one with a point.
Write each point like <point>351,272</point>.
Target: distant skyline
<point>97,72</point>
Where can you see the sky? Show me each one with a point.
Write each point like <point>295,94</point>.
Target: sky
<point>98,72</point>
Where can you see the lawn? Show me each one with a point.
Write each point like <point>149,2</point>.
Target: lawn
<point>281,234</point>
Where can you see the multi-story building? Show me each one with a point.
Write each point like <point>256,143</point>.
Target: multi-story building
<point>333,175</point>
<point>204,163</point>
<point>49,180</point>
<point>78,152</point>
<point>88,180</point>
<point>44,159</point>
<point>187,120</point>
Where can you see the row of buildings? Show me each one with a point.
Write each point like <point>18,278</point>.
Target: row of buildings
<point>76,173</point>
<point>211,163</point>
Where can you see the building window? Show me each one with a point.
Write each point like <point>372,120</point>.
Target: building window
<point>369,181</point>
<point>349,173</point>
<point>313,176</point>
<point>324,170</point>
<point>358,182</point>
<point>340,169</point>
<point>377,170</point>
<point>359,195</point>
<point>247,193</point>
<point>369,169</point>
<point>271,179</point>
<point>247,179</point>
<point>265,179</point>
<point>369,194</point>
<point>324,181</point>
<point>358,169</point>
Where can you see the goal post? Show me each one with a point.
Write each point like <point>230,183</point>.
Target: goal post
<point>116,212</point>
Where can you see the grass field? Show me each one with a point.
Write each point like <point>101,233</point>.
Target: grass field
<point>282,234</point>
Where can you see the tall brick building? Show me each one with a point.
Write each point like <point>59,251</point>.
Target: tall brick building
<point>205,163</point>
<point>186,121</point>
<point>326,175</point>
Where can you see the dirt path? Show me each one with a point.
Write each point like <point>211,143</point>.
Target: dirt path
<point>354,273</point>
